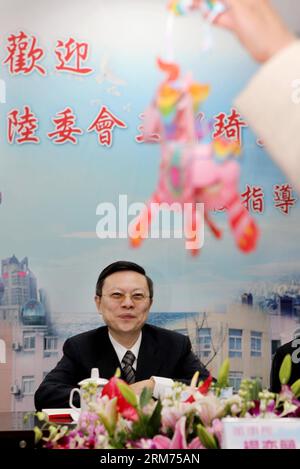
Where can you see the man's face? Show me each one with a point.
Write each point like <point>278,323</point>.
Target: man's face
<point>125,301</point>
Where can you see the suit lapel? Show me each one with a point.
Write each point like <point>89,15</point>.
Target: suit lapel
<point>107,361</point>
<point>148,363</point>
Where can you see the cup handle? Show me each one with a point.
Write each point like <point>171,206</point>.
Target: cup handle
<point>71,398</point>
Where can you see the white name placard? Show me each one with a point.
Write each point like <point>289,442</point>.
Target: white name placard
<point>255,433</point>
<point>2,91</point>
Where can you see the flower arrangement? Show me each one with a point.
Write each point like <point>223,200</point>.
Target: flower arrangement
<point>188,417</point>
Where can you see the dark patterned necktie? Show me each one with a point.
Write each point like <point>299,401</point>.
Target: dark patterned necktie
<point>128,371</point>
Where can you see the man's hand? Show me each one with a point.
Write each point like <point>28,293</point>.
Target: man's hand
<point>140,385</point>
<point>257,25</point>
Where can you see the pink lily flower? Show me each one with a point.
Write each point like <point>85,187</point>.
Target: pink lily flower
<point>179,439</point>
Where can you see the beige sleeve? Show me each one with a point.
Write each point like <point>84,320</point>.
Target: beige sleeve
<point>271,106</point>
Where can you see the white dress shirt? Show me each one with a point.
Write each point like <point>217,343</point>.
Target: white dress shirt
<point>162,385</point>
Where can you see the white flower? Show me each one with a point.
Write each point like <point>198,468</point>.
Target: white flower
<point>209,407</point>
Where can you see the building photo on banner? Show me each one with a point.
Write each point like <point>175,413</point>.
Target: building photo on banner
<point>125,136</point>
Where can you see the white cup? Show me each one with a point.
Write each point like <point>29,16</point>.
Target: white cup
<point>83,402</point>
<point>84,396</point>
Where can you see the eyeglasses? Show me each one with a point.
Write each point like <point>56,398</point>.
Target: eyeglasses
<point>119,297</point>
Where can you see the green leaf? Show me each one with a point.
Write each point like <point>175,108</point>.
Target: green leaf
<point>118,373</point>
<point>155,419</point>
<point>223,374</point>
<point>206,438</point>
<point>108,415</point>
<point>256,389</point>
<point>52,432</point>
<point>127,393</point>
<point>145,397</point>
<point>296,388</point>
<point>285,369</point>
<point>107,424</point>
<point>141,428</point>
<point>37,434</point>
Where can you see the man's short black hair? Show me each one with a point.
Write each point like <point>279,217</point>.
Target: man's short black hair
<point>119,266</point>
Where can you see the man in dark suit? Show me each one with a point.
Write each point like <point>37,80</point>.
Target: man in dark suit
<point>292,348</point>
<point>147,355</point>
